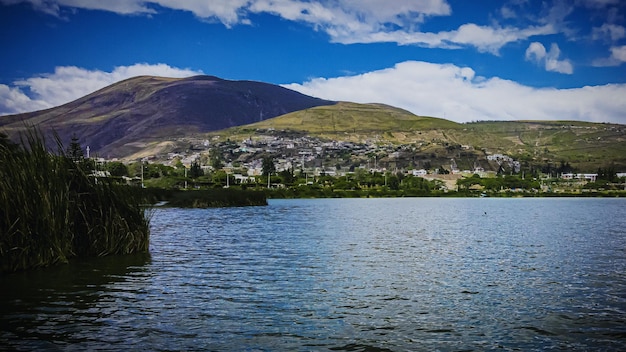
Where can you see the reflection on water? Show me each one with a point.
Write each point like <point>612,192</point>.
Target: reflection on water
<point>59,306</point>
<point>350,274</point>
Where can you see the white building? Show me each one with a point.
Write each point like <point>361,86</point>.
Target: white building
<point>586,177</point>
<point>419,173</point>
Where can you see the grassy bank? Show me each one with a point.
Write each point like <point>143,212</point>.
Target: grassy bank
<point>51,210</point>
<point>206,198</point>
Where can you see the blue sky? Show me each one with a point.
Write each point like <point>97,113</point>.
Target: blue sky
<point>461,60</point>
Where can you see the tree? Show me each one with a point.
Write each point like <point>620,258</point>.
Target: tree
<point>117,168</point>
<point>216,159</point>
<point>607,174</point>
<point>268,166</point>
<point>287,177</point>
<point>74,150</point>
<point>393,182</point>
<point>195,170</point>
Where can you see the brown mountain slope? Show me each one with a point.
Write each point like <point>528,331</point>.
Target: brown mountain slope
<point>117,118</point>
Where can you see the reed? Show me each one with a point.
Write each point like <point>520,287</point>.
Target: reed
<point>51,210</point>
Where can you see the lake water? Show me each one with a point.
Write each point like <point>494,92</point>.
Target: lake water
<point>346,275</point>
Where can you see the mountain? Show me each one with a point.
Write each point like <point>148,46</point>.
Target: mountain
<point>149,116</point>
<point>123,118</point>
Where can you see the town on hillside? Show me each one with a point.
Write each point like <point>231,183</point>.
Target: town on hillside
<point>242,162</point>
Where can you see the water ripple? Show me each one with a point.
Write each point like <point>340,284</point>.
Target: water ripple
<point>344,275</point>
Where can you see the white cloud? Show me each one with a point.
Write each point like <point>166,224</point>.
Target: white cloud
<point>69,83</point>
<point>619,53</point>
<point>483,38</point>
<point>536,52</point>
<point>53,7</point>
<point>372,12</point>
<point>229,12</point>
<point>550,59</point>
<point>345,21</point>
<point>611,32</point>
<point>457,94</point>
<point>618,57</point>
<point>13,100</point>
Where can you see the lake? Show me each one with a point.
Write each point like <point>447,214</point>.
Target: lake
<point>462,274</point>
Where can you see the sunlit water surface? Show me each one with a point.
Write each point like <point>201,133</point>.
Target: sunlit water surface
<point>343,274</point>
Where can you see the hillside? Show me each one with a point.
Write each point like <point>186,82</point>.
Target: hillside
<point>354,122</point>
<point>141,112</point>
<point>584,145</point>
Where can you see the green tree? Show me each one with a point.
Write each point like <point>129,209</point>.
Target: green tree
<point>287,176</point>
<point>195,170</point>
<point>74,150</point>
<point>117,168</point>
<point>268,166</point>
<point>393,182</point>
<point>216,159</point>
<point>607,174</point>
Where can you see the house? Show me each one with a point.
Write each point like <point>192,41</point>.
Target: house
<point>586,177</point>
<point>419,173</point>
<point>239,178</point>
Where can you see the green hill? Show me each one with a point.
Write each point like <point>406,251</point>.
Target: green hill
<point>584,145</point>
<point>353,122</point>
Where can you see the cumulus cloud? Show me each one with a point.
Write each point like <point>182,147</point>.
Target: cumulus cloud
<point>371,12</point>
<point>618,57</point>
<point>69,83</point>
<point>458,94</point>
<point>484,38</point>
<point>550,59</point>
<point>609,32</point>
<point>345,21</point>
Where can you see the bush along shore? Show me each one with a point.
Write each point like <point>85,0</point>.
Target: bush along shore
<point>51,209</point>
<point>205,198</point>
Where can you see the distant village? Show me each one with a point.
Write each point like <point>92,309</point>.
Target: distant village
<point>332,158</point>
<point>315,157</point>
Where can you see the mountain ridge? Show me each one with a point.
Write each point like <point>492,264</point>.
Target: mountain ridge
<point>115,118</point>
<point>146,116</point>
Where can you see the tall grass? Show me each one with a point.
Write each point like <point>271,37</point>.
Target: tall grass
<point>52,210</point>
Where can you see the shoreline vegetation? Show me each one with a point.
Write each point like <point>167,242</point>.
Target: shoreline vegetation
<point>203,198</point>
<point>52,210</point>
<point>55,207</point>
